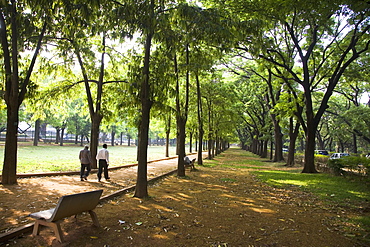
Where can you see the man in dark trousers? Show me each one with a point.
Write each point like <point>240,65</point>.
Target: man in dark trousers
<point>85,159</point>
<point>103,159</point>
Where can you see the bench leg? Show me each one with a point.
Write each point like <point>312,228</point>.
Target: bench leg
<point>55,225</point>
<point>36,228</point>
<point>58,231</point>
<point>94,218</point>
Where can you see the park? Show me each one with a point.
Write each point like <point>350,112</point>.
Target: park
<point>281,86</point>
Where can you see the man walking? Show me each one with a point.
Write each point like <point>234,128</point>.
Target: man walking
<point>103,159</point>
<point>85,160</point>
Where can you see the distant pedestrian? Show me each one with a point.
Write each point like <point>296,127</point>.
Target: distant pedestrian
<point>187,160</point>
<point>85,160</point>
<point>103,159</point>
<point>189,163</point>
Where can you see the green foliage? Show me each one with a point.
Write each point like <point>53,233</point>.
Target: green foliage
<point>356,164</point>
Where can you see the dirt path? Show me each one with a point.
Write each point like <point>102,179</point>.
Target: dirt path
<point>41,193</point>
<point>210,207</point>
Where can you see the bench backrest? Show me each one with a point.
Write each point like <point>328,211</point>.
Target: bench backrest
<point>74,204</point>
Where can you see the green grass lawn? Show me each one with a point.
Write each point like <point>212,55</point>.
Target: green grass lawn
<point>335,189</point>
<point>46,158</point>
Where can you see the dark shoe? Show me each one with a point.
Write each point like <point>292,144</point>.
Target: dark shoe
<point>85,178</point>
<point>98,179</point>
<point>107,178</point>
<point>82,179</point>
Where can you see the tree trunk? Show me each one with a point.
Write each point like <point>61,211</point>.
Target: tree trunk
<point>264,149</point>
<point>200,122</point>
<point>94,138</point>
<point>293,134</point>
<point>57,135</point>
<point>168,131</point>
<point>309,154</point>
<point>181,123</point>
<point>182,114</point>
<point>9,174</point>
<point>141,189</point>
<point>271,150</point>
<point>217,146</point>
<point>191,142</point>
<point>113,133</point>
<point>320,141</point>
<point>37,133</point>
<point>167,144</point>
<point>82,141</point>
<point>62,137</point>
<point>95,114</point>
<point>15,91</point>
<point>278,142</point>
<point>210,145</point>
<point>210,130</point>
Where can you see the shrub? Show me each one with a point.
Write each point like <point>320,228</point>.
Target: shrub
<point>350,164</point>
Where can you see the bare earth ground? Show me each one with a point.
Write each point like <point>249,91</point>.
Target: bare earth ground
<point>210,207</point>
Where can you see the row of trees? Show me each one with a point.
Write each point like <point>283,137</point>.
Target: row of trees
<point>306,61</point>
<point>287,59</point>
<point>51,60</point>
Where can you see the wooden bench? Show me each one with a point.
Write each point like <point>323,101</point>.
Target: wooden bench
<point>191,165</point>
<point>67,206</point>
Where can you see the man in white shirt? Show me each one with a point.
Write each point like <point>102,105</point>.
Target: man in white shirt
<point>103,160</point>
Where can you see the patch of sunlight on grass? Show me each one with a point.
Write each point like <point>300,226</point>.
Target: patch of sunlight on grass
<point>334,189</point>
<point>288,182</point>
<point>210,163</point>
<point>358,194</point>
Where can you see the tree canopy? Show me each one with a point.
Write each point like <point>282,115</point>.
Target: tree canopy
<point>262,73</point>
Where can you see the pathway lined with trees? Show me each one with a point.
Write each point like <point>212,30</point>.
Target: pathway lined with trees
<point>220,203</point>
<point>268,75</point>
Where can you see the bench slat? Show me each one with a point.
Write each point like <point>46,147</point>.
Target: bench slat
<point>67,206</point>
<point>74,204</point>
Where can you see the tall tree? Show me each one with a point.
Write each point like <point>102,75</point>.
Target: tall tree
<point>199,31</point>
<point>144,17</point>
<point>18,29</point>
<point>316,43</point>
<point>89,27</point>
